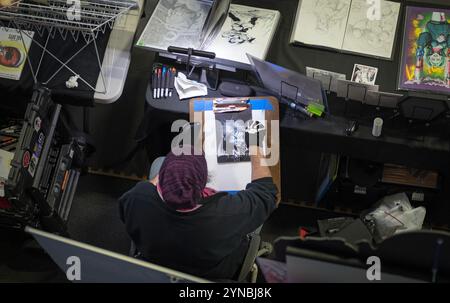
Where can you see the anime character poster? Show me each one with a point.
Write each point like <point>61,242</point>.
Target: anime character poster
<point>13,52</point>
<point>425,62</point>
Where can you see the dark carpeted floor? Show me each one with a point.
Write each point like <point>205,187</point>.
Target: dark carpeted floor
<point>94,220</point>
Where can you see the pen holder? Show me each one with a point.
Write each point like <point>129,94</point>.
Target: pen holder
<point>163,80</point>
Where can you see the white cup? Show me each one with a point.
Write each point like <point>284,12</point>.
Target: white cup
<point>377,127</point>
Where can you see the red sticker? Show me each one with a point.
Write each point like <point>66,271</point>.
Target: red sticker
<point>26,159</point>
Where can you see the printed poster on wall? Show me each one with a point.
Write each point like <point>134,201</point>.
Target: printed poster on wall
<point>425,64</point>
<point>13,52</point>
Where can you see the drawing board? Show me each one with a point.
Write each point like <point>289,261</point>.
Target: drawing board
<point>233,177</point>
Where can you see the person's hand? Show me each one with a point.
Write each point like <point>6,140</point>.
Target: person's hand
<point>260,169</point>
<point>255,133</point>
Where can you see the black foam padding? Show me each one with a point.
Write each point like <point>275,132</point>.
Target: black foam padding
<point>423,107</point>
<point>231,89</point>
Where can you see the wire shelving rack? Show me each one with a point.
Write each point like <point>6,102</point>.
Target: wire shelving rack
<point>64,19</point>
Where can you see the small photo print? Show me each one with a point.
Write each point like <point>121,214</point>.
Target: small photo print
<point>364,74</point>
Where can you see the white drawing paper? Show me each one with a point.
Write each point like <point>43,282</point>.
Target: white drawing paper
<point>348,25</point>
<point>372,37</point>
<point>225,176</point>
<point>246,30</point>
<point>175,23</point>
<point>180,23</point>
<point>364,74</point>
<point>321,22</point>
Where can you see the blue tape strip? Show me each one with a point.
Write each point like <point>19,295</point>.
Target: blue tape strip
<point>257,104</point>
<point>202,106</point>
<point>233,192</point>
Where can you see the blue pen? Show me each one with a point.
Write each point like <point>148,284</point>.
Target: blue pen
<point>163,84</point>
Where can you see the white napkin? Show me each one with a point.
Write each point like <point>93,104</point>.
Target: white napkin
<point>187,89</point>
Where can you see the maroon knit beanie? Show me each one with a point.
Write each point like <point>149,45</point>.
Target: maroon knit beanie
<point>182,180</point>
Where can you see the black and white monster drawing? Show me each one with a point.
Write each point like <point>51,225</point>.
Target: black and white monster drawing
<point>242,24</point>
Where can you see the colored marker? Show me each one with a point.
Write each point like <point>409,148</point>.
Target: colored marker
<point>158,95</point>
<point>166,86</point>
<point>163,81</point>
<point>155,79</point>
<point>173,73</point>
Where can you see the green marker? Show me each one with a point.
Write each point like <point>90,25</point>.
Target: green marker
<point>315,109</point>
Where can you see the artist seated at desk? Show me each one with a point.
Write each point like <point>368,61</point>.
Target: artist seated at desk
<point>177,222</point>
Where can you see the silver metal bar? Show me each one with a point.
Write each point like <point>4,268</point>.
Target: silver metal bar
<point>110,20</point>
<point>60,62</point>
<point>28,57</point>
<point>62,12</point>
<point>100,65</point>
<point>122,3</point>
<point>67,62</point>
<point>47,9</point>
<point>40,19</point>
<point>57,16</point>
<point>42,56</point>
